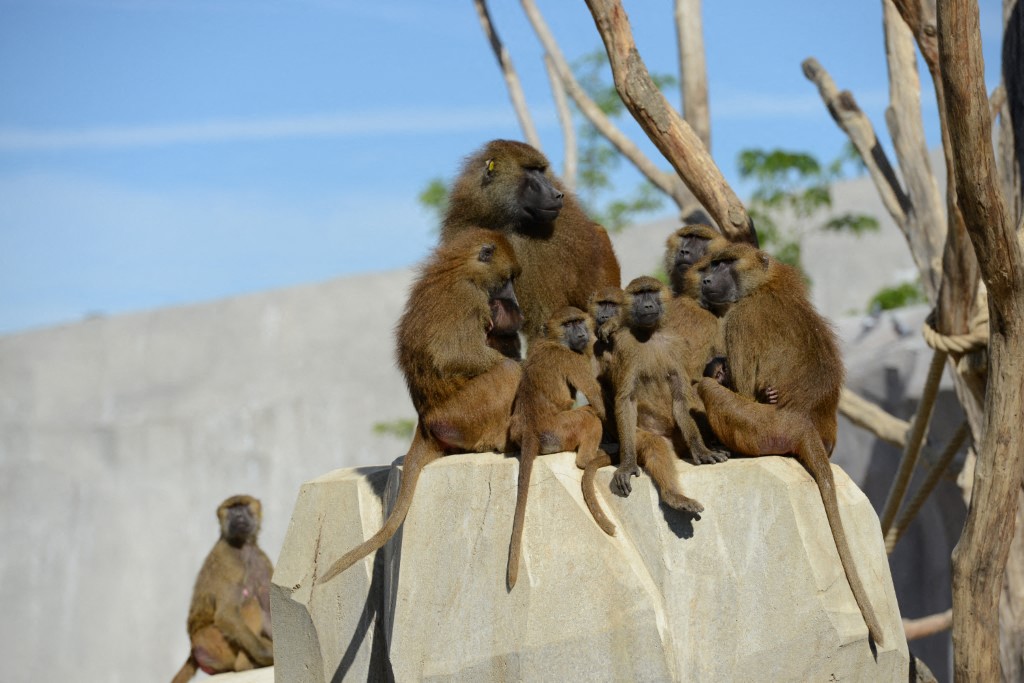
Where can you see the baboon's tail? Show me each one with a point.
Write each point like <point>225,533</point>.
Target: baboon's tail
<point>422,452</point>
<point>590,492</point>
<point>822,475</point>
<point>187,671</point>
<point>528,453</point>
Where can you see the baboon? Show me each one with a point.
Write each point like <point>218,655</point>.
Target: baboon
<point>774,336</point>
<point>543,418</point>
<point>652,398</point>
<point>507,186</point>
<point>505,337</point>
<point>605,308</point>
<point>685,247</point>
<point>718,370</point>
<point>698,327</point>
<point>229,618</point>
<point>461,388</point>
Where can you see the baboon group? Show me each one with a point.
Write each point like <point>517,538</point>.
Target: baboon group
<point>730,358</point>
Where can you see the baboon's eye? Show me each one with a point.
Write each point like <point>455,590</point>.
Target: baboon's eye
<point>486,253</point>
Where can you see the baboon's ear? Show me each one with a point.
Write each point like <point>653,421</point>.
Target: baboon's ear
<point>765,259</point>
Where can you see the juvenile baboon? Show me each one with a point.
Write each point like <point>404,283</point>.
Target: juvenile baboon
<point>507,186</point>
<point>462,388</point>
<point>229,619</point>
<point>653,398</point>
<point>605,308</point>
<point>543,418</point>
<point>775,337</point>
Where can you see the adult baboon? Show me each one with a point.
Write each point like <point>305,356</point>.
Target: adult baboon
<point>775,338</point>
<point>229,618</point>
<point>565,257</point>
<point>462,388</point>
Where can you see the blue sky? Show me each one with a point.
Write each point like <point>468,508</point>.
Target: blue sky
<point>160,152</point>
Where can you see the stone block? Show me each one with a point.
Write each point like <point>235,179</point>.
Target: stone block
<point>752,589</point>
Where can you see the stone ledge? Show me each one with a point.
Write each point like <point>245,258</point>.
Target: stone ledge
<point>752,589</point>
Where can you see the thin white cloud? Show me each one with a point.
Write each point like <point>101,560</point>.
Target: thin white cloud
<point>228,130</point>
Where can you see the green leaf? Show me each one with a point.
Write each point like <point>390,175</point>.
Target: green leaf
<point>402,429</point>
<point>889,298</point>
<point>856,223</point>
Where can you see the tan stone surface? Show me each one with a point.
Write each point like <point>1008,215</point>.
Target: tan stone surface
<point>751,590</point>
<point>264,675</point>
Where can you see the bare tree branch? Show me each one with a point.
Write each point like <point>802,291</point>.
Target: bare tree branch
<point>663,125</point>
<point>665,182</point>
<point>869,416</point>
<point>844,110</point>
<point>693,70</point>
<point>565,120</point>
<point>928,626</point>
<point>979,559</point>
<point>927,223</point>
<point>515,90</point>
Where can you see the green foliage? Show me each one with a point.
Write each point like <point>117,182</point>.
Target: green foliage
<point>434,197</point>
<point>794,186</point>
<point>899,296</point>
<point>400,429</point>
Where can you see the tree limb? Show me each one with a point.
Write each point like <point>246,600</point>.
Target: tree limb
<point>928,626</point>
<point>693,70</point>
<point>665,182</point>
<point>663,125</point>
<point>565,120</point>
<point>845,112</point>
<point>979,559</point>
<point>869,416</point>
<point>515,90</point>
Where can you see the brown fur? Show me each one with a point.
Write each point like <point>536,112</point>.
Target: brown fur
<point>543,418</point>
<point>697,326</point>
<point>462,388</point>
<point>776,339</point>
<point>607,298</point>
<point>229,618</point>
<point>685,247</point>
<point>652,399</point>
<point>564,259</point>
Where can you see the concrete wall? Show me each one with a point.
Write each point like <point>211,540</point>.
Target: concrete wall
<point>119,437</point>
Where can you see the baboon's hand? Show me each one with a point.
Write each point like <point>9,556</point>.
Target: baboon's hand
<point>621,484</point>
<point>708,456</point>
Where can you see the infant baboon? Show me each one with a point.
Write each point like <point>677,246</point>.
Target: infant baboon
<point>229,620</point>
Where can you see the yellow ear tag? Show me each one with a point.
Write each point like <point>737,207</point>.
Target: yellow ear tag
<point>490,165</point>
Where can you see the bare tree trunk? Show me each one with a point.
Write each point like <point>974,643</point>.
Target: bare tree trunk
<point>515,90</point>
<point>693,70</point>
<point>979,560</point>
<point>663,125</point>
